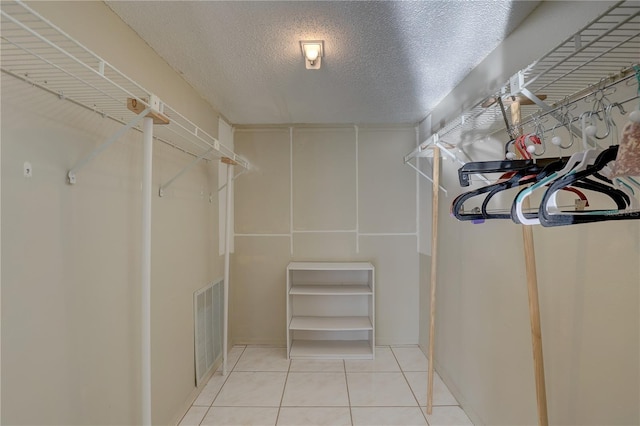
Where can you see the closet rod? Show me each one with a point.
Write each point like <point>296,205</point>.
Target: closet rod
<point>92,109</point>
<point>621,103</point>
<point>604,84</point>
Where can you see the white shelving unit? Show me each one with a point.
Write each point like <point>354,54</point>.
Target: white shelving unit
<point>330,310</point>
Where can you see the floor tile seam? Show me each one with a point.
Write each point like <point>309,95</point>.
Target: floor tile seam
<point>205,416</point>
<point>245,406</point>
<point>185,414</point>
<point>284,388</point>
<point>444,405</point>
<point>262,371</point>
<point>226,379</point>
<point>424,415</point>
<point>208,407</point>
<point>346,381</point>
<point>314,406</point>
<point>238,359</point>
<point>223,383</point>
<point>385,406</point>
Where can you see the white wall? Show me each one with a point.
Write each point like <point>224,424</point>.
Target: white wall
<point>587,277</point>
<point>588,287</point>
<point>323,193</point>
<point>71,254</point>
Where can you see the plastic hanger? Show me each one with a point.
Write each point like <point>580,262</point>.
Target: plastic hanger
<point>559,219</point>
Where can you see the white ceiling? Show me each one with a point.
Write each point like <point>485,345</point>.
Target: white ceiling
<point>385,61</point>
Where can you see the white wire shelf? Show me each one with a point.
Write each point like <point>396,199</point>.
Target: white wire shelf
<point>604,48</point>
<point>41,54</point>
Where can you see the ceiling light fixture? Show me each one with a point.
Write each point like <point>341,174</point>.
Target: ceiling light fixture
<point>312,51</point>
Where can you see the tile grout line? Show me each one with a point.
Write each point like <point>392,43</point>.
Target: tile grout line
<point>346,381</point>
<point>409,384</point>
<point>286,379</point>
<point>219,390</point>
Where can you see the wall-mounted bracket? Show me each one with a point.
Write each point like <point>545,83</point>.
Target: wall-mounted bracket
<point>551,111</point>
<point>71,175</point>
<point>427,177</point>
<point>187,168</point>
<point>154,105</point>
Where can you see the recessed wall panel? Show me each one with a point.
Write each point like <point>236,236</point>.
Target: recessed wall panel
<point>326,246</point>
<point>324,179</point>
<point>262,201</point>
<point>386,186</point>
<point>397,292</point>
<point>257,290</point>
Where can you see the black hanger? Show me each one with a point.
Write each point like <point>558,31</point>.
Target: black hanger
<point>581,178</point>
<point>551,167</point>
<point>457,206</point>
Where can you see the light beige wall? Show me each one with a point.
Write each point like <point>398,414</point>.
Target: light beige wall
<point>587,275</point>
<point>590,315</point>
<point>71,254</point>
<point>350,197</point>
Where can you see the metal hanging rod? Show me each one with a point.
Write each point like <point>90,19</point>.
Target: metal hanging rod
<point>36,51</point>
<point>603,47</point>
<point>603,84</point>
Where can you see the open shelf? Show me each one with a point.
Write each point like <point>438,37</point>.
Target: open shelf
<point>331,266</point>
<point>330,310</point>
<point>330,323</point>
<point>328,349</point>
<point>330,290</point>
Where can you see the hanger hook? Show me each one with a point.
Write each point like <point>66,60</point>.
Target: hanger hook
<point>565,121</point>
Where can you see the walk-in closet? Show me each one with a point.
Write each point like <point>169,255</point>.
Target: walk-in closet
<point>320,213</point>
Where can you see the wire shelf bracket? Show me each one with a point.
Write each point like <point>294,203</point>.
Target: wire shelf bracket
<point>39,53</point>
<point>183,171</point>
<point>71,175</point>
<point>602,52</point>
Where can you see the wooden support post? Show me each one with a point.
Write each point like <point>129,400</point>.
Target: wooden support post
<point>534,307</point>
<point>229,161</point>
<point>434,265</point>
<point>135,106</point>
<point>534,316</point>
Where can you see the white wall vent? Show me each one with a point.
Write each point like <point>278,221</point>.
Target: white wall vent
<point>208,303</point>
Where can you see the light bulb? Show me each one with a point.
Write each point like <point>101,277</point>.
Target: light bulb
<point>311,52</point>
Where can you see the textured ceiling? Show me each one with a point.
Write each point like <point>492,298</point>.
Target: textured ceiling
<point>385,61</point>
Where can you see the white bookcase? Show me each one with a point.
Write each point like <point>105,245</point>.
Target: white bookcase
<point>330,310</point>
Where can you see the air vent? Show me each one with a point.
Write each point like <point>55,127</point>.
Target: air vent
<point>207,303</point>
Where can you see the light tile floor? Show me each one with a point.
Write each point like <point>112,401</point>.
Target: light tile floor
<point>264,388</point>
